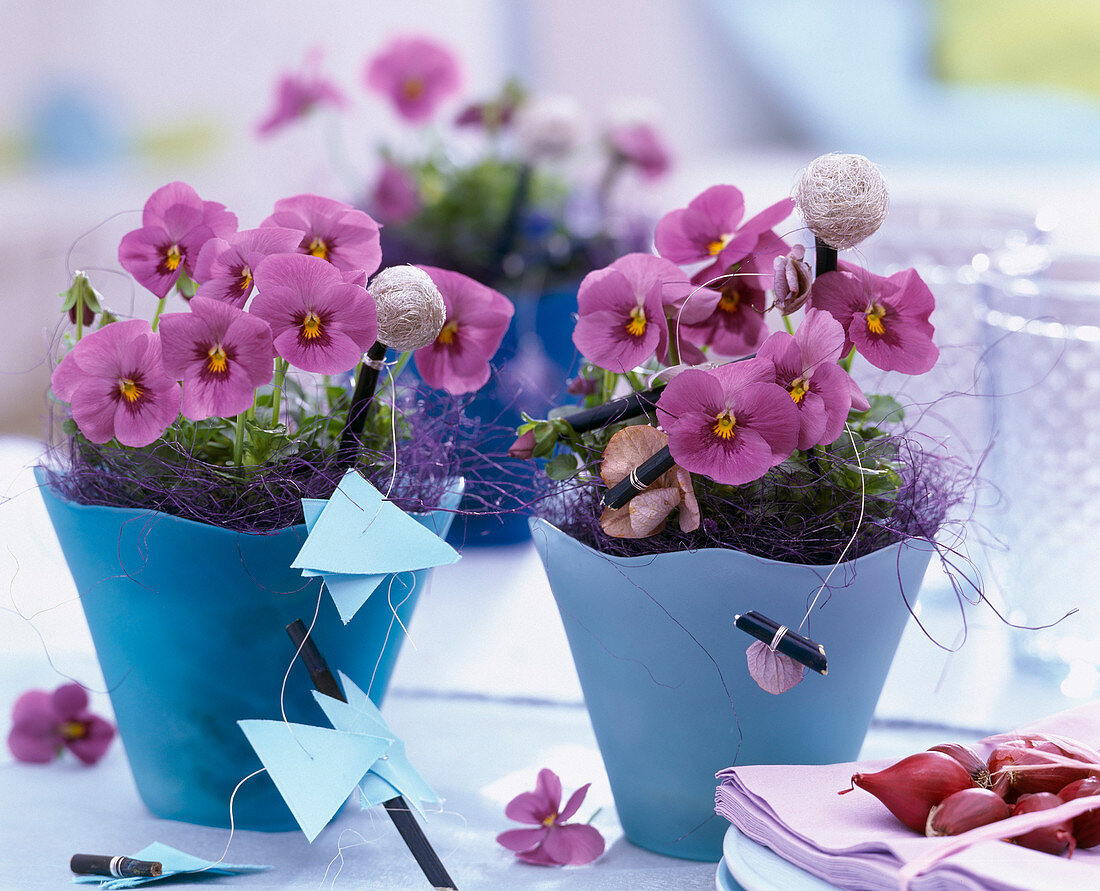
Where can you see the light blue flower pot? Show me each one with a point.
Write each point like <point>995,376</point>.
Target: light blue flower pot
<point>665,680</point>
<point>189,625</point>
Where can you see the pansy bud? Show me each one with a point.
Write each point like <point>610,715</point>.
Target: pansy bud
<point>1086,828</point>
<point>913,786</point>
<point>1055,839</point>
<point>523,447</point>
<point>792,280</point>
<point>965,810</point>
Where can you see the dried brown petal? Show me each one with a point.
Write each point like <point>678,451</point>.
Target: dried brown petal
<point>648,511</point>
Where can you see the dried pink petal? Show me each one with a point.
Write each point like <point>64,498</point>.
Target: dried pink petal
<point>771,670</point>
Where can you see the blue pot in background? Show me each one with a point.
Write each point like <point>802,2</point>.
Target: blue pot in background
<point>535,360</point>
<point>189,626</point>
<point>672,704</point>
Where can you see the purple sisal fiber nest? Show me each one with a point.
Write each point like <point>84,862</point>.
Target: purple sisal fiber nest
<point>167,477</point>
<point>792,515</point>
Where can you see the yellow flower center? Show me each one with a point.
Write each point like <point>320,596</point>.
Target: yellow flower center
<point>724,424</point>
<point>413,88</point>
<point>74,730</point>
<point>798,389</point>
<point>636,326</point>
<point>874,319</point>
<point>729,301</point>
<point>447,335</point>
<point>246,278</point>
<point>173,258</point>
<point>217,361</point>
<point>129,389</point>
<point>311,326</point>
<point>319,248</point>
<point>549,820</point>
<point>715,247</point>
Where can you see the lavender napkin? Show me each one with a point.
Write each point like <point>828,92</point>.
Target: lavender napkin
<point>852,841</point>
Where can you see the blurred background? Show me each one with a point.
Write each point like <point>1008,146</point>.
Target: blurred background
<point>984,116</point>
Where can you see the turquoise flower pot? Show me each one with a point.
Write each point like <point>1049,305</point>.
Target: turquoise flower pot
<point>665,680</point>
<point>189,626</point>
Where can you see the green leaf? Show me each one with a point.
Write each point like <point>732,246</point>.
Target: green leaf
<point>882,410</point>
<point>562,467</point>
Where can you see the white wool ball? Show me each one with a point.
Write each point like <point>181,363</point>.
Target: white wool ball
<point>411,311</point>
<point>842,198</point>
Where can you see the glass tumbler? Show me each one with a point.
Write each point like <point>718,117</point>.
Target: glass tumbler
<point>1040,326</point>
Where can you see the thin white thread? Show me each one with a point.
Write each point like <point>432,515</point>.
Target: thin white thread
<point>779,632</point>
<point>632,478</point>
<point>340,848</point>
<point>232,821</point>
<point>855,532</point>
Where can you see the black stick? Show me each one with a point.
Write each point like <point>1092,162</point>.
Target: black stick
<point>398,809</point>
<point>799,648</point>
<point>641,478</point>
<point>360,400</point>
<point>624,408</point>
<point>115,867</point>
<point>825,259</point>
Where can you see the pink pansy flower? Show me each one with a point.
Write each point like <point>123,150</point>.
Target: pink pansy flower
<point>624,308</point>
<point>221,353</point>
<point>886,319</point>
<point>736,326</point>
<point>298,93</point>
<point>640,146</point>
<point>553,842</point>
<point>477,317</point>
<point>732,423</point>
<point>115,383</point>
<point>175,224</point>
<point>224,267</point>
<point>416,74</point>
<point>395,197</point>
<point>806,367</point>
<point>45,724</point>
<point>319,322</point>
<point>710,228</point>
<point>337,232</point>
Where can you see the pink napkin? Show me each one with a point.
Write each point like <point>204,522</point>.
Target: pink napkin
<point>852,841</point>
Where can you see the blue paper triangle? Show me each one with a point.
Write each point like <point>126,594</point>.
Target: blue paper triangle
<point>313,768</point>
<point>360,532</point>
<point>360,715</point>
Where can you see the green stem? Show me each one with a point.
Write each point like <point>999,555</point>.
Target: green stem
<point>156,315</point>
<point>79,316</point>
<point>846,361</point>
<point>787,324</point>
<point>238,440</point>
<point>608,388</point>
<point>277,390</point>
